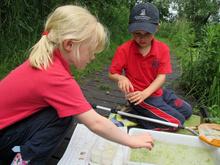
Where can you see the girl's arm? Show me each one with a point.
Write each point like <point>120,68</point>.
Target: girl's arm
<point>105,128</point>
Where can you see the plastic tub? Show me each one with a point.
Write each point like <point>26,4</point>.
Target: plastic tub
<point>105,152</point>
<point>176,140</point>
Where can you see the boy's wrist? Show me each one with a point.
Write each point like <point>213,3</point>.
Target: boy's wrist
<point>121,77</point>
<point>146,94</point>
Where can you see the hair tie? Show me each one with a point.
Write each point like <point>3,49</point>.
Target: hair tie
<point>45,33</point>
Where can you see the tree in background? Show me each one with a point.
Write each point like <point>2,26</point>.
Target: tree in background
<point>162,5</point>
<point>199,12</point>
<point>21,23</point>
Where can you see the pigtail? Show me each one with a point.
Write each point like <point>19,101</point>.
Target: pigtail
<point>68,22</point>
<point>41,53</point>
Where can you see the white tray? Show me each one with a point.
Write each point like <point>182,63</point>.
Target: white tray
<point>172,138</point>
<point>82,143</point>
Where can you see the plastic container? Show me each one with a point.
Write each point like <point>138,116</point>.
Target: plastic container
<point>173,139</point>
<point>105,152</point>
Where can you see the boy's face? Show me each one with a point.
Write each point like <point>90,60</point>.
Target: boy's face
<point>142,38</point>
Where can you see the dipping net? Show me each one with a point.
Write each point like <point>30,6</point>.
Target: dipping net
<point>210,133</point>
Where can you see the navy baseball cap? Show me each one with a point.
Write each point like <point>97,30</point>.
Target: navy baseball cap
<point>144,16</point>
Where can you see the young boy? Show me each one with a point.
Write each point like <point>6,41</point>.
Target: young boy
<point>145,62</point>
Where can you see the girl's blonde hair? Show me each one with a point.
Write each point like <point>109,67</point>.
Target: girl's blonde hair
<point>68,22</point>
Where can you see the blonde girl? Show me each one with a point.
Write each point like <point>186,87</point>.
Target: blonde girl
<point>39,97</point>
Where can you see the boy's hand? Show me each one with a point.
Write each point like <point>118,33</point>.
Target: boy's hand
<point>142,141</point>
<point>125,85</point>
<point>136,97</point>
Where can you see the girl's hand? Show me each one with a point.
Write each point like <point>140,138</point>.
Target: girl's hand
<point>136,97</point>
<point>125,85</point>
<point>106,129</point>
<point>142,141</point>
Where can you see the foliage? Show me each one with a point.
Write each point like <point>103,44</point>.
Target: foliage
<point>21,24</point>
<point>205,62</point>
<point>200,62</point>
<point>182,33</point>
<point>214,111</point>
<point>162,5</point>
<point>198,12</point>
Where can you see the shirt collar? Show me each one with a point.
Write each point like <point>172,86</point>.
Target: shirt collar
<point>58,54</point>
<point>153,50</point>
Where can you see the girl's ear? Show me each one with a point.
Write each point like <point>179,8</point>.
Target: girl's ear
<point>68,45</point>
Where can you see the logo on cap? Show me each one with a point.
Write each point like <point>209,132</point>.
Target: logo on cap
<point>142,15</point>
<point>143,12</point>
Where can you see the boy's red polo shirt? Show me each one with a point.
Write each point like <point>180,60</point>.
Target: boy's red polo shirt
<point>140,70</point>
<point>27,90</point>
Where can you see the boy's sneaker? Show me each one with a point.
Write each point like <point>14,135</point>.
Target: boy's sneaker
<point>18,160</point>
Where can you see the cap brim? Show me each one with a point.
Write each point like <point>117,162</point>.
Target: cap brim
<point>142,26</point>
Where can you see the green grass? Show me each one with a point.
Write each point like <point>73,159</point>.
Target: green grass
<point>193,121</point>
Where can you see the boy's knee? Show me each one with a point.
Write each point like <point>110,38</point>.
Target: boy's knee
<point>184,108</point>
<point>189,113</point>
<point>181,119</point>
<point>188,110</point>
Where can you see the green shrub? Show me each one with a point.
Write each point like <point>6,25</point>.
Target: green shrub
<point>21,25</point>
<point>200,63</point>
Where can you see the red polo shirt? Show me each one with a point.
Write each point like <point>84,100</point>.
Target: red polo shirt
<point>27,90</point>
<point>142,70</point>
